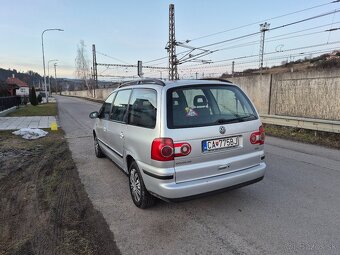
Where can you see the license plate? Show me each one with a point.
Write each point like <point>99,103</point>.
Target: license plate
<point>221,143</point>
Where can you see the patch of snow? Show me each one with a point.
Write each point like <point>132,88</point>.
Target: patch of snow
<point>30,133</point>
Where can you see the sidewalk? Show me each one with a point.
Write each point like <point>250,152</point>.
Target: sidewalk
<point>14,123</point>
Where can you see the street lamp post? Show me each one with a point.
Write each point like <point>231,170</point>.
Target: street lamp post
<point>55,78</point>
<point>48,73</point>
<point>42,46</point>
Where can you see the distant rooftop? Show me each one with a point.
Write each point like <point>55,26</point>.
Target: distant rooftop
<point>15,81</point>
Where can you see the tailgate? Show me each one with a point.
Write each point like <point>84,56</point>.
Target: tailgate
<point>214,154</point>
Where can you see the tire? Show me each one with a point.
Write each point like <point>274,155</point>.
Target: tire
<point>98,151</point>
<point>139,194</point>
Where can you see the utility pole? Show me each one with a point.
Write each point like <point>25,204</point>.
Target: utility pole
<point>232,68</point>
<point>171,46</point>
<point>55,77</point>
<point>263,28</point>
<point>94,66</point>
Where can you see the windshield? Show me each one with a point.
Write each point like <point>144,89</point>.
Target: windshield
<point>194,106</point>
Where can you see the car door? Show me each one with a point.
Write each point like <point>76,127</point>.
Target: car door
<point>116,126</point>
<point>103,118</point>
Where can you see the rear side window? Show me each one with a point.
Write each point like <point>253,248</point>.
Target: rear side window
<point>106,107</point>
<point>120,105</point>
<point>143,108</point>
<point>195,106</point>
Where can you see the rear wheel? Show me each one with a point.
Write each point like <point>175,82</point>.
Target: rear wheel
<point>98,151</point>
<point>139,194</point>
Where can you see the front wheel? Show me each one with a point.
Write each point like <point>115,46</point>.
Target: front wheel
<point>140,196</point>
<point>98,151</point>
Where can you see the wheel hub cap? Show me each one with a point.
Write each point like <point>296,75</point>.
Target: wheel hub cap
<point>135,185</point>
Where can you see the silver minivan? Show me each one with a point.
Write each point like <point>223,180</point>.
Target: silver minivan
<point>180,139</point>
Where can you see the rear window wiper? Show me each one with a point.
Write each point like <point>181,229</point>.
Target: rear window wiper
<point>250,116</point>
<point>225,121</point>
<point>238,119</point>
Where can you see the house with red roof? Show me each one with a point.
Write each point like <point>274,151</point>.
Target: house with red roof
<point>17,87</point>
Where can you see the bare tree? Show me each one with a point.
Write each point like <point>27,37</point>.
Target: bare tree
<point>82,65</point>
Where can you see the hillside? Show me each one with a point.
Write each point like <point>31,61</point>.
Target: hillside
<point>325,61</point>
<point>30,77</point>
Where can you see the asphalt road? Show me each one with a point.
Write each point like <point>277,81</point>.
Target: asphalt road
<point>294,210</point>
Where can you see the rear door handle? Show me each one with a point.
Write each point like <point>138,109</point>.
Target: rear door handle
<point>121,135</point>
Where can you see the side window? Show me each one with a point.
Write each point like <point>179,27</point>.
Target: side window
<point>106,107</point>
<point>120,105</point>
<point>143,108</point>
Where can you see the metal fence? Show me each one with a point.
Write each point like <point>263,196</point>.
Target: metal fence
<point>8,102</point>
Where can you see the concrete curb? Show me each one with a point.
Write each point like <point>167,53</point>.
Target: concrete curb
<point>7,111</point>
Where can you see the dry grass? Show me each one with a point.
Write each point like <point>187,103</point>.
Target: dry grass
<point>49,109</point>
<point>327,139</point>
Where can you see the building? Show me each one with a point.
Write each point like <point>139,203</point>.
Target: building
<point>16,87</point>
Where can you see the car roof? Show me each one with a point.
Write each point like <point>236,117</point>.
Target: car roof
<point>175,83</point>
<point>178,83</point>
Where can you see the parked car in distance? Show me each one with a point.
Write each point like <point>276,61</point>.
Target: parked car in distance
<point>180,139</point>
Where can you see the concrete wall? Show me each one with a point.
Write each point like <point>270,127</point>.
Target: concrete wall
<point>309,94</point>
<point>101,94</point>
<point>257,88</point>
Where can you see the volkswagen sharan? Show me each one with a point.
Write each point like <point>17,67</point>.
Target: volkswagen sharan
<point>180,139</point>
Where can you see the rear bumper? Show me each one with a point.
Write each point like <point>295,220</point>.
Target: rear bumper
<point>170,190</point>
<point>211,192</point>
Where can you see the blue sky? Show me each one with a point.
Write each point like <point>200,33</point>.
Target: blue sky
<point>138,30</point>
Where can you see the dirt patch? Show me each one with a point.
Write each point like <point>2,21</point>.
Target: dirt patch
<point>44,208</point>
<point>327,139</point>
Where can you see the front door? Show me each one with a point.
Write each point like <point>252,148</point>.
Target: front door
<point>116,126</point>
<point>103,119</point>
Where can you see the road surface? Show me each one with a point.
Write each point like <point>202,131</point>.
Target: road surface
<point>294,210</point>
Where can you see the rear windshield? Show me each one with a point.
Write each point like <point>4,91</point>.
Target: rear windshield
<point>206,105</point>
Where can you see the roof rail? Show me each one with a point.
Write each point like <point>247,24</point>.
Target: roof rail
<point>216,79</point>
<point>144,81</point>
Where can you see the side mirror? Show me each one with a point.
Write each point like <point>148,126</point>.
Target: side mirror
<point>94,115</point>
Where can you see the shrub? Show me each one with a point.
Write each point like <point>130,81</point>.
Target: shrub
<point>33,97</point>
<point>39,98</point>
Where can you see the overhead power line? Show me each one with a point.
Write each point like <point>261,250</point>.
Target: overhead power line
<point>271,29</point>
<point>253,62</point>
<point>279,38</point>
<point>269,53</point>
<point>253,34</point>
<point>103,54</point>
<point>275,52</point>
<point>121,65</point>
<point>307,19</point>
<point>261,21</point>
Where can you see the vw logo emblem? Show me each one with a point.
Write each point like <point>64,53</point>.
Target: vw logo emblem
<point>222,130</point>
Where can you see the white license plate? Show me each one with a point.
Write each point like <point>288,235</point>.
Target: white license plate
<point>220,143</point>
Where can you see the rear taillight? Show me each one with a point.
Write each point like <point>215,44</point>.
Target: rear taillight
<point>257,137</point>
<point>182,149</point>
<point>164,149</point>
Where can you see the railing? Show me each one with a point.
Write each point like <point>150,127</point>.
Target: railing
<point>8,102</point>
<point>306,123</point>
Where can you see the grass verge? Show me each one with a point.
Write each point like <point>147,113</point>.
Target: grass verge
<point>49,109</point>
<point>44,208</point>
<point>327,139</point>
